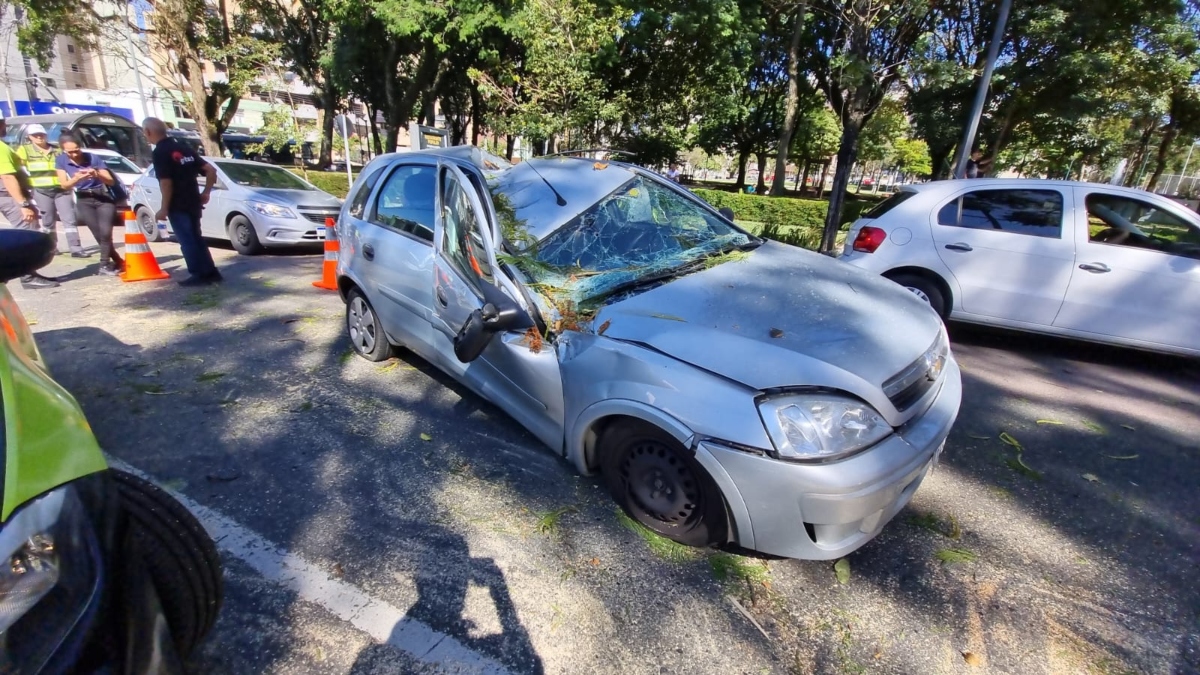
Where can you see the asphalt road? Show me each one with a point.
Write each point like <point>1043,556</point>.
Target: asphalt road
<point>378,518</point>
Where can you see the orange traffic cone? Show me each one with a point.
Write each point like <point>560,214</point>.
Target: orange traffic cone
<point>140,264</point>
<point>329,268</point>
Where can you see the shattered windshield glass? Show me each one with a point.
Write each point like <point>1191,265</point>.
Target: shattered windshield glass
<point>641,231</point>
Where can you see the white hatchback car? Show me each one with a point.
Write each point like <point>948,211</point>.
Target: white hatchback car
<point>1085,260</point>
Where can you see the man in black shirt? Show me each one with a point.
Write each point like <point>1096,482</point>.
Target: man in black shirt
<point>177,166</point>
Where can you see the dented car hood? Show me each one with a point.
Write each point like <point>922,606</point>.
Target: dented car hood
<point>781,317</point>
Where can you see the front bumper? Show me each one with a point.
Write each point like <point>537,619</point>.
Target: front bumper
<point>825,511</point>
<point>286,231</point>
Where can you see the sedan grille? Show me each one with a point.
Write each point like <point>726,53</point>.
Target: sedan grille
<point>909,385</point>
<point>319,215</point>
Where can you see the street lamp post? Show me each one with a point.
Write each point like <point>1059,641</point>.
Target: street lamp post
<point>968,139</point>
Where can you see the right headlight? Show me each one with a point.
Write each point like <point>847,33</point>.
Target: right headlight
<point>49,575</point>
<point>821,427</point>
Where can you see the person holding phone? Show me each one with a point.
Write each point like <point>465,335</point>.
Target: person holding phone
<point>94,205</point>
<point>16,202</point>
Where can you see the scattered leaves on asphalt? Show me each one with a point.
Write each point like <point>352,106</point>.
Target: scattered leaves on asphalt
<point>951,556</point>
<point>1018,464</point>
<point>223,476</point>
<point>1054,422</point>
<point>1129,427</point>
<point>338,572</point>
<point>1121,456</point>
<point>210,376</point>
<point>776,333</point>
<point>841,569</point>
<point>426,437</point>
<point>1007,438</point>
<point>346,356</point>
<point>1094,427</point>
<point>595,562</point>
<point>979,438</point>
<point>972,659</point>
<point>1090,477</point>
<point>548,521</point>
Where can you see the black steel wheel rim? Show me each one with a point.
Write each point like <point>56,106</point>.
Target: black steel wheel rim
<point>660,484</point>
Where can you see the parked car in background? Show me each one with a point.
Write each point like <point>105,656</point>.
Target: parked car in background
<point>1084,260</point>
<point>96,131</point>
<point>123,169</point>
<point>103,571</point>
<point>253,205</point>
<point>731,391</point>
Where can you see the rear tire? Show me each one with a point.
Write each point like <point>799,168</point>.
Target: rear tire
<point>364,329</point>
<point>244,237</point>
<point>147,224</point>
<point>924,289</point>
<point>179,556</point>
<point>659,484</point>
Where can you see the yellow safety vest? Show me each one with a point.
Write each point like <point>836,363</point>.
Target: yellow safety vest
<point>40,166</point>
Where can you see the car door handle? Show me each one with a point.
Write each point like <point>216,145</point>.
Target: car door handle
<point>1098,268</point>
<point>441,298</point>
<point>959,247</point>
<point>368,251</point>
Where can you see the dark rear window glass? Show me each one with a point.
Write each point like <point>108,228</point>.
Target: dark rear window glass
<point>888,204</point>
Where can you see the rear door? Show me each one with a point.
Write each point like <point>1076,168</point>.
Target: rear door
<point>515,371</point>
<point>1138,276</point>
<point>1010,250</point>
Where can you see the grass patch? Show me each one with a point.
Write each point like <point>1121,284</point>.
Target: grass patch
<point>660,546</point>
<point>727,567</point>
<point>206,299</point>
<point>548,521</point>
<point>928,521</point>
<point>345,356</point>
<point>211,376</point>
<point>953,556</point>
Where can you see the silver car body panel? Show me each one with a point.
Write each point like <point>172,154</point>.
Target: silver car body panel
<point>228,199</point>
<point>691,356</point>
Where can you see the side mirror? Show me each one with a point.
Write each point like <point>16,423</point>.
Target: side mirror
<point>727,212</point>
<point>23,252</point>
<point>498,314</point>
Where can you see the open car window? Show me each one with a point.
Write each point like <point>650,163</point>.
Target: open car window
<point>1123,221</point>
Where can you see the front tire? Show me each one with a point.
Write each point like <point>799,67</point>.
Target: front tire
<point>366,333</point>
<point>244,237</point>
<point>924,289</point>
<point>179,557</point>
<point>658,483</point>
<point>147,224</point>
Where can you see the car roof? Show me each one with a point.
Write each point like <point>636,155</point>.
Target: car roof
<point>65,118</point>
<point>940,187</point>
<point>248,162</point>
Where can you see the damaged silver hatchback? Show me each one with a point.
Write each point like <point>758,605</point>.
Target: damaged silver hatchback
<point>729,390</point>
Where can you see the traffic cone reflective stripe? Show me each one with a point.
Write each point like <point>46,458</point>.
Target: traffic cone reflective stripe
<point>329,266</point>
<point>140,264</point>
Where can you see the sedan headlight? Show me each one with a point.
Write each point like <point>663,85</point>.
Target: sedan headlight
<point>272,210</point>
<point>821,427</point>
<point>49,575</point>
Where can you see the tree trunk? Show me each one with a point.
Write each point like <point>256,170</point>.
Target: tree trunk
<point>821,185</point>
<point>510,143</point>
<point>1139,157</point>
<point>741,175</point>
<point>802,181</point>
<point>847,151</point>
<point>374,131</point>
<point>329,105</point>
<point>393,137</point>
<point>779,186</point>
<point>941,164</point>
<point>761,187</point>
<point>1164,149</point>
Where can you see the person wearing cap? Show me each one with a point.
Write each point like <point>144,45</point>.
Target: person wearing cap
<point>52,200</point>
<point>16,202</point>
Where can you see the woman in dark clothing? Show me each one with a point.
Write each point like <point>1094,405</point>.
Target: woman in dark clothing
<point>94,207</point>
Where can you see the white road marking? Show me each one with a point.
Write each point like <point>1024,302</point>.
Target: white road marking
<point>382,621</point>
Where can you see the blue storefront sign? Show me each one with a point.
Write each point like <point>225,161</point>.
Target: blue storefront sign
<point>59,108</point>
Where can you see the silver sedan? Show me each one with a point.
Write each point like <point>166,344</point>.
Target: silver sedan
<point>253,205</point>
<point>730,391</point>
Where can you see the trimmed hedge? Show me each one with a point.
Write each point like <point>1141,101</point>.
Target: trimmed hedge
<point>333,182</point>
<point>783,212</point>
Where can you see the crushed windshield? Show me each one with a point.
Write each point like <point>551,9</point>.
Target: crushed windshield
<point>640,231</point>
<point>250,175</point>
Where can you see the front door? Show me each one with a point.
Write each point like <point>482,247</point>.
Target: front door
<point>1138,271</point>
<point>1007,250</point>
<point>516,371</point>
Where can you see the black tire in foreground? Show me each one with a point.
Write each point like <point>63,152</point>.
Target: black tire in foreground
<point>925,289</point>
<point>659,484</point>
<point>244,237</point>
<point>363,327</point>
<point>179,556</point>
